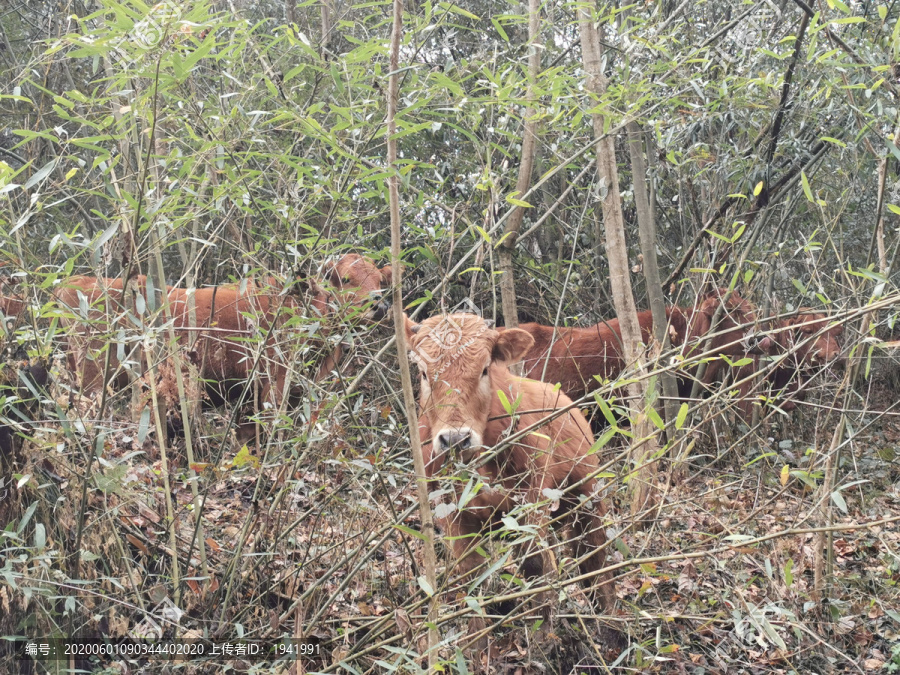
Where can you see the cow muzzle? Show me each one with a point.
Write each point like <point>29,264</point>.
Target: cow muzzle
<point>757,343</point>
<point>380,307</point>
<point>380,310</point>
<point>456,439</point>
<point>828,357</point>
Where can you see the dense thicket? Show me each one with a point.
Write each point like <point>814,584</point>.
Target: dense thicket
<point>207,142</point>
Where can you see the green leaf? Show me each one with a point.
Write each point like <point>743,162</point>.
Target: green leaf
<point>40,536</point>
<point>504,401</point>
<point>604,408</point>
<point>655,418</point>
<point>893,209</point>
<point>483,233</point>
<point>411,129</point>
<point>603,440</point>
<point>682,416</point>
<point>26,518</point>
<point>500,30</point>
<point>458,10</point>
<point>411,532</point>
<point>882,12</point>
<point>806,189</point>
<point>895,151</point>
<point>788,573</point>
<point>718,236</point>
<point>838,500</point>
<point>834,140</point>
<point>40,174</point>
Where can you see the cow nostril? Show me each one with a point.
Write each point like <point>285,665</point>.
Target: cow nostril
<point>461,440</point>
<point>380,310</point>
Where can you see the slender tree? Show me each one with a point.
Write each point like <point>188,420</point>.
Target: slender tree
<point>409,401</point>
<point>529,148</point>
<point>644,445</point>
<point>647,233</point>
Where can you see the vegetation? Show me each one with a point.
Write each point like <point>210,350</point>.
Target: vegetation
<point>689,146</point>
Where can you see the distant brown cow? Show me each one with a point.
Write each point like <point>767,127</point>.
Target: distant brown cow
<point>809,342</point>
<point>226,317</point>
<point>576,357</point>
<point>463,368</point>
<point>350,290</point>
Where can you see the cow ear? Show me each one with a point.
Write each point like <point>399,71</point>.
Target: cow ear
<point>387,276</point>
<point>512,345</point>
<point>411,327</point>
<point>310,285</point>
<point>329,272</point>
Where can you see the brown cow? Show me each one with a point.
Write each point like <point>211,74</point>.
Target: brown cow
<point>226,316</point>
<point>463,368</point>
<point>576,357</point>
<point>809,342</point>
<point>350,291</point>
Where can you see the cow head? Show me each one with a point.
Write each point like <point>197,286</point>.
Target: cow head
<point>357,283</point>
<point>733,331</point>
<point>459,358</point>
<point>809,338</point>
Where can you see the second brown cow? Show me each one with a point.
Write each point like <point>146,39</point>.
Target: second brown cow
<point>580,358</point>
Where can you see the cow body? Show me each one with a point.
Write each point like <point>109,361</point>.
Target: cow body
<point>576,357</point>
<point>94,310</point>
<point>463,415</point>
<point>808,342</point>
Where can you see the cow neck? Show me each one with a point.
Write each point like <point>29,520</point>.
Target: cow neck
<point>501,380</point>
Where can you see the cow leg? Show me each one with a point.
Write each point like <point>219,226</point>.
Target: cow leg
<point>589,538</point>
<point>465,530</point>
<point>535,564</point>
<point>745,389</point>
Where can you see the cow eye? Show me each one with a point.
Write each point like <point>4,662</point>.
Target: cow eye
<point>484,372</point>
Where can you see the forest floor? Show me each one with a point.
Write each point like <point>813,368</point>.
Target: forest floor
<point>308,536</point>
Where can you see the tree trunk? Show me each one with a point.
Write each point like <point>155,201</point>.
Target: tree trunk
<point>409,401</point>
<point>529,143</point>
<point>327,26</point>
<point>647,232</point>
<point>644,443</point>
